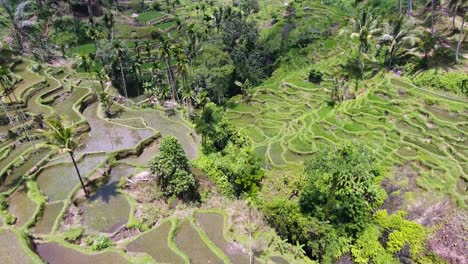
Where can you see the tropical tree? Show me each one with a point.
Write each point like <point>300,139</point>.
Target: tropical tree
<point>399,37</point>
<point>109,22</point>
<point>119,59</point>
<point>106,102</point>
<point>84,61</point>
<point>7,80</point>
<point>100,74</point>
<point>61,135</point>
<point>16,14</point>
<point>172,170</point>
<point>459,6</point>
<point>365,28</point>
<point>455,6</point>
<point>166,50</point>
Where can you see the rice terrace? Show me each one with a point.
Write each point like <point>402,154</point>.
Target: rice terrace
<point>233,131</point>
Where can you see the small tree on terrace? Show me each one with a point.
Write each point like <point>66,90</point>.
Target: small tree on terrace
<point>172,170</point>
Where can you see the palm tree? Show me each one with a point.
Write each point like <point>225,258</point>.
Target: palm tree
<point>15,13</point>
<point>61,135</point>
<point>399,37</point>
<point>454,5</point>
<point>12,123</point>
<point>365,27</point>
<point>101,76</point>
<point>7,80</point>
<point>166,50</point>
<point>136,66</point>
<point>119,58</point>
<point>84,61</point>
<point>109,24</point>
<point>410,7</point>
<point>458,6</point>
<point>460,35</point>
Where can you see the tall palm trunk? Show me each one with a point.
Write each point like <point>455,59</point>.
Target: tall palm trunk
<point>72,156</point>
<point>399,7</point>
<point>250,238</point>
<point>17,30</point>
<point>460,37</point>
<point>454,12</point>
<point>170,75</point>
<point>124,82</point>
<point>90,8</point>
<point>432,17</point>
<point>12,123</point>
<point>22,118</point>
<point>410,7</point>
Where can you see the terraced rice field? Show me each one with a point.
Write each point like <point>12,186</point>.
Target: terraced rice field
<point>41,187</point>
<point>290,119</point>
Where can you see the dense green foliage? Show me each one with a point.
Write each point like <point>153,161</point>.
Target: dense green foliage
<point>335,205</point>
<point>456,82</point>
<point>392,239</point>
<point>172,170</point>
<point>342,187</point>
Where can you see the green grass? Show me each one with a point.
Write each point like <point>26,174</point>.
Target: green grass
<point>85,48</point>
<point>148,16</point>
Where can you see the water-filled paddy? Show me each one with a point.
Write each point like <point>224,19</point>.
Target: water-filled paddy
<point>49,216</point>
<point>107,209</point>
<point>57,181</point>
<point>21,206</point>
<point>213,226</point>
<point>17,173</point>
<point>54,253</point>
<point>188,240</point>
<point>107,136</point>
<point>11,251</point>
<point>155,244</point>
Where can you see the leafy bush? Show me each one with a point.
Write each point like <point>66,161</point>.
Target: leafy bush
<point>321,240</point>
<point>101,242</point>
<point>342,187</point>
<point>171,168</point>
<point>315,76</point>
<point>456,82</point>
<point>397,232</point>
<point>73,234</point>
<point>235,170</point>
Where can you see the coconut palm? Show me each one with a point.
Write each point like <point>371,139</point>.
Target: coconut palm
<point>455,5</point>
<point>84,61</point>
<point>100,74</point>
<point>17,16</point>
<point>365,28</point>
<point>61,135</point>
<point>109,22</point>
<point>120,50</point>
<point>166,50</point>
<point>459,6</point>
<point>7,80</point>
<point>400,37</point>
<point>12,123</point>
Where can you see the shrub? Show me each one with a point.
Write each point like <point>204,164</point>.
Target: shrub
<point>398,234</point>
<point>456,82</point>
<point>315,76</point>
<point>171,168</point>
<point>73,234</point>
<point>101,242</point>
<point>342,187</point>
